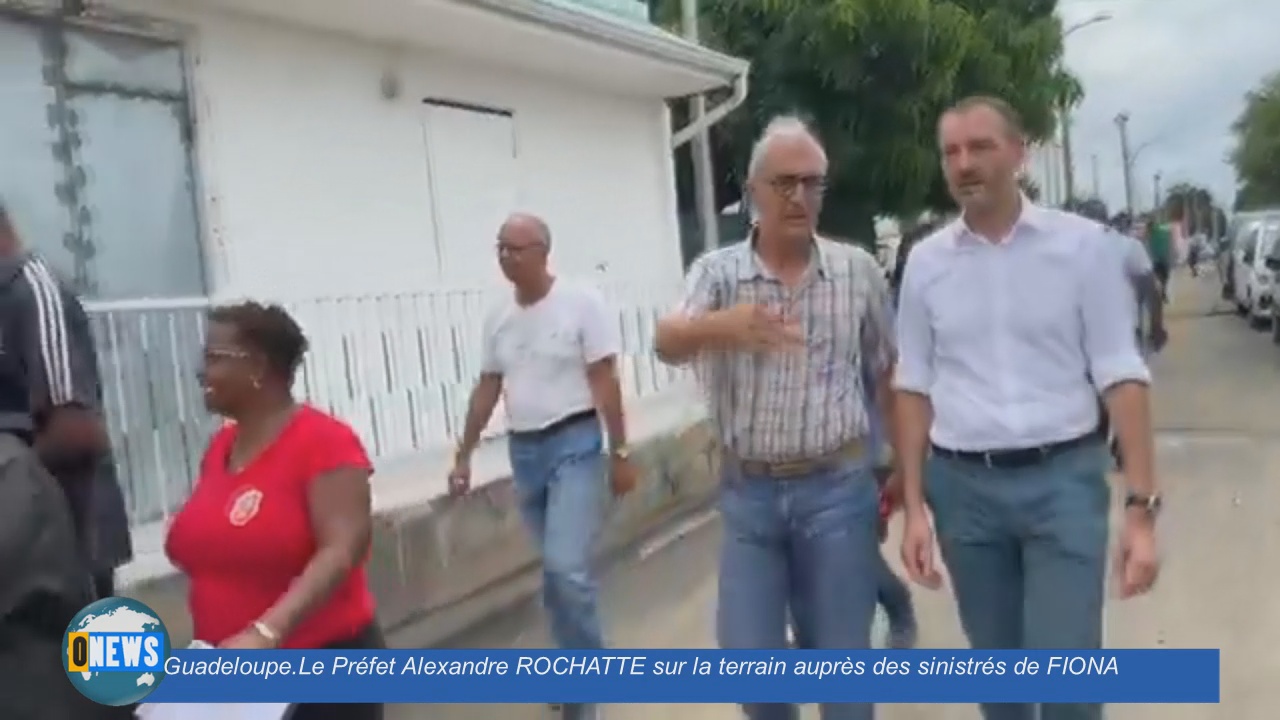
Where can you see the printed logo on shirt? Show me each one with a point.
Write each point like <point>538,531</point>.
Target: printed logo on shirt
<point>245,506</point>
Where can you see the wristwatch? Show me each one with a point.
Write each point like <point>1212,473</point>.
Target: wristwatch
<point>621,453</point>
<point>1149,503</point>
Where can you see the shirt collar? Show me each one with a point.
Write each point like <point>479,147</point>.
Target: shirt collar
<point>1031,217</point>
<point>751,268</point>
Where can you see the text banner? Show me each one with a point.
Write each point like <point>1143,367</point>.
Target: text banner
<point>690,676</point>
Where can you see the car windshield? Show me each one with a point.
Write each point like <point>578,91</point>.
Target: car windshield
<point>1267,245</point>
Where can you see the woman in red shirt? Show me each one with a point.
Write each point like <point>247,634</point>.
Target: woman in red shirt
<point>276,533</point>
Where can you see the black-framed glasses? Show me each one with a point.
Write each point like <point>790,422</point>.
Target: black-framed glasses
<point>810,185</point>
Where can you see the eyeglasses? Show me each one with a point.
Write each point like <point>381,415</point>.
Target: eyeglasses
<point>224,354</point>
<point>811,185</point>
<point>505,250</point>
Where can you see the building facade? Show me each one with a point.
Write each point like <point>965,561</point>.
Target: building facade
<point>352,160</point>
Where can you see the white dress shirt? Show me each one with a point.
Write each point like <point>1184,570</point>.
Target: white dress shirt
<point>1013,341</point>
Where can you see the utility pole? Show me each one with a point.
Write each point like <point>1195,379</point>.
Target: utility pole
<point>1155,195</point>
<point>1064,115</point>
<point>1068,160</point>
<point>1122,123</point>
<point>704,189</point>
<point>1093,167</point>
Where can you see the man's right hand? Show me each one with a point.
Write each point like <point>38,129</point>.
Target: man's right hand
<point>752,327</point>
<point>917,549</point>
<point>1157,338</point>
<point>460,476</point>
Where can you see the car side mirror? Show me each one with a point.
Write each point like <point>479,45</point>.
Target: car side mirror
<point>1272,263</point>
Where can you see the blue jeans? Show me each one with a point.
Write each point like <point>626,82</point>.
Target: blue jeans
<point>894,596</point>
<point>560,479</point>
<point>804,546</point>
<point>1026,549</point>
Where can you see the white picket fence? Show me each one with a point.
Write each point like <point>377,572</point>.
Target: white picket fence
<point>398,368</point>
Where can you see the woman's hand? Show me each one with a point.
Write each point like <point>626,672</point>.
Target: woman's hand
<point>247,639</point>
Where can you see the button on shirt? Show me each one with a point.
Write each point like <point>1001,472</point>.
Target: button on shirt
<point>787,405</point>
<point>1013,341</point>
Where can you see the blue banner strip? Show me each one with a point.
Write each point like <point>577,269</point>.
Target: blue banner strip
<point>691,676</point>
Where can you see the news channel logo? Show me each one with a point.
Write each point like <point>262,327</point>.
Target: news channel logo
<point>114,651</point>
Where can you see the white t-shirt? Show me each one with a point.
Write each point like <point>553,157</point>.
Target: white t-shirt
<point>1137,265</point>
<point>542,352</point>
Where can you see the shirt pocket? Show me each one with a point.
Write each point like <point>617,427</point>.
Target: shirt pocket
<point>832,342</point>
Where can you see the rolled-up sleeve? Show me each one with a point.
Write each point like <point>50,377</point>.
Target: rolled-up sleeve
<point>915,335</point>
<point>1109,319</point>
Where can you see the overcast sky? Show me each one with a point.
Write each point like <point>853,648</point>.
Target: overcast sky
<point>1180,69</point>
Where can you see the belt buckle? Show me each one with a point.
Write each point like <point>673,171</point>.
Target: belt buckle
<point>789,468</point>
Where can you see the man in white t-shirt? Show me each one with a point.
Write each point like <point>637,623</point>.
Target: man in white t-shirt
<point>550,353</point>
<point>1148,306</point>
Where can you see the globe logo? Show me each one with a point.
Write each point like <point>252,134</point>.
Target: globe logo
<point>114,651</point>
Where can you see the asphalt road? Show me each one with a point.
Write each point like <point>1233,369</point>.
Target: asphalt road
<point>1217,414</point>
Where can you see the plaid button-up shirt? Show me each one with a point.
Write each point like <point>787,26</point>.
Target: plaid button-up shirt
<point>789,405</point>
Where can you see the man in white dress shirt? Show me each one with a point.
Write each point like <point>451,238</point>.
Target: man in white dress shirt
<point>1012,320</point>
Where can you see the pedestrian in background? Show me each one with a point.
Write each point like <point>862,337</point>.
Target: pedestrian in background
<point>1013,320</point>
<point>1159,241</point>
<point>909,240</point>
<point>550,352</point>
<point>778,327</point>
<point>70,424</point>
<point>44,574</point>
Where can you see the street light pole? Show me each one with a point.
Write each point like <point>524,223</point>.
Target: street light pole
<point>1064,117</point>
<point>1093,167</point>
<point>1122,123</point>
<point>1068,161</point>
<point>1155,195</point>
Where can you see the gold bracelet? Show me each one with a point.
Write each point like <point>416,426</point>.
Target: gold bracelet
<point>266,632</point>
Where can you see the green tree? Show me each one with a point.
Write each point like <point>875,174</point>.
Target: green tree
<point>1256,155</point>
<point>872,77</point>
<point>1195,207</point>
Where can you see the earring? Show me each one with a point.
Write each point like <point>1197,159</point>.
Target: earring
<point>257,384</point>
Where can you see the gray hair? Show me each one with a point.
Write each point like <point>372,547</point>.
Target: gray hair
<point>780,127</point>
<point>537,222</point>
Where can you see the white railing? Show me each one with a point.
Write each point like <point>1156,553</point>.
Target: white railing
<point>398,368</point>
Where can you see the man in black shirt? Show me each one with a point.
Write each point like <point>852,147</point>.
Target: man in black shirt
<point>44,579</point>
<point>66,404</point>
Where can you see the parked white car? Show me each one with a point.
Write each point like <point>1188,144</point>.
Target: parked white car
<point>1254,282</point>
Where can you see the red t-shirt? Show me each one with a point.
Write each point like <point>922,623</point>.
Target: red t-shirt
<point>244,537</point>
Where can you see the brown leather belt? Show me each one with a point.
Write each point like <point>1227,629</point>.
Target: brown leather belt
<point>781,469</point>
